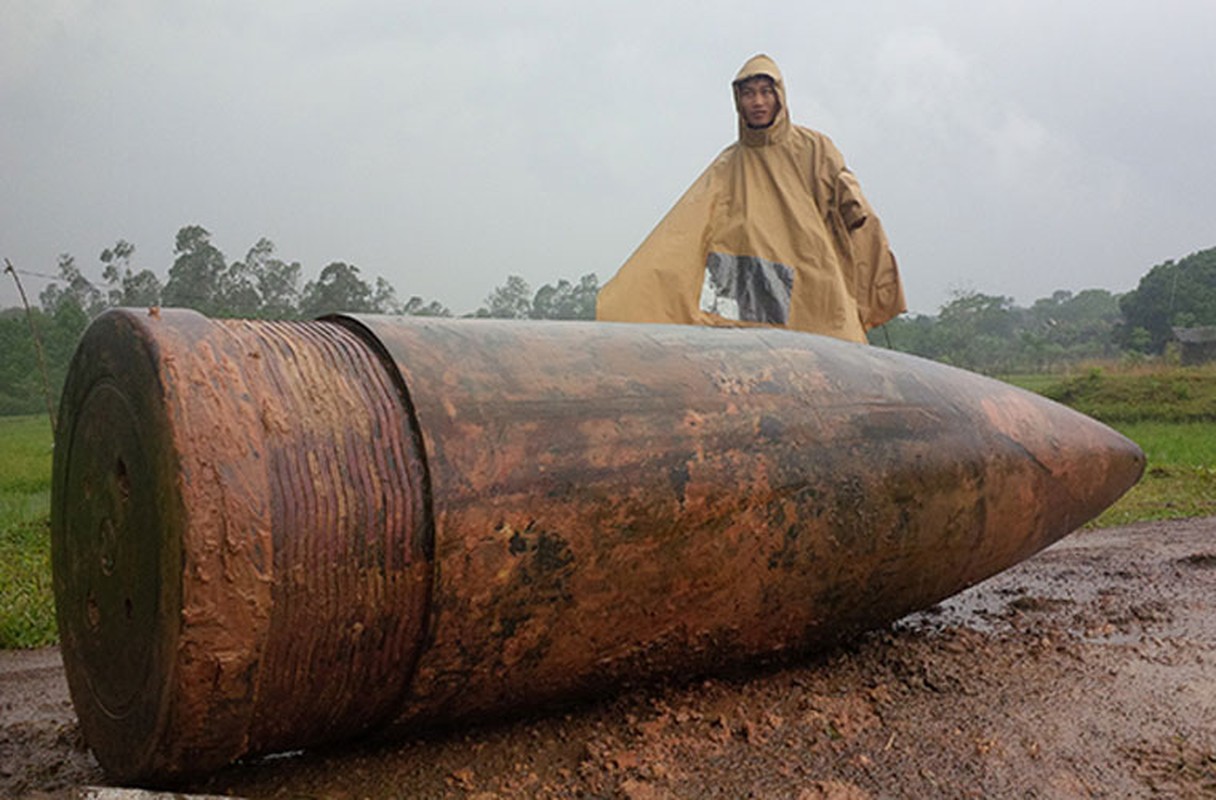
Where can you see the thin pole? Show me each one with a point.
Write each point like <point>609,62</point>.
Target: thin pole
<point>46,383</point>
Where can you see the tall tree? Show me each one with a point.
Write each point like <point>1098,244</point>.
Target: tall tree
<point>384,298</point>
<point>909,333</point>
<point>72,289</point>
<point>127,287</point>
<point>512,300</point>
<point>417,307</point>
<point>195,279</point>
<point>977,331</point>
<point>20,384</point>
<point>236,293</point>
<point>1171,294</point>
<point>566,300</point>
<point>338,288</point>
<point>276,282</point>
<point>1080,325</point>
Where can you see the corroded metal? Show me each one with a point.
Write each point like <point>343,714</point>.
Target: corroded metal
<point>240,538</point>
<point>269,535</point>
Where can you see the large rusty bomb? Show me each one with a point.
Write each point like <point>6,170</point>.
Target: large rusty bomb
<point>269,535</point>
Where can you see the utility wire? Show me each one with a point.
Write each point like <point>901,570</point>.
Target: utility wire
<point>11,268</point>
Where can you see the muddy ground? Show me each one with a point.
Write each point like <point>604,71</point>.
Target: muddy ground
<point>1087,671</point>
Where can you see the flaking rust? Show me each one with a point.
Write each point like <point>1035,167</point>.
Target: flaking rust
<point>271,535</point>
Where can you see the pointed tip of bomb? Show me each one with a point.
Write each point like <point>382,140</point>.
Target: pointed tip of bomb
<point>1083,465</point>
<point>1127,463</point>
<point>1100,466</point>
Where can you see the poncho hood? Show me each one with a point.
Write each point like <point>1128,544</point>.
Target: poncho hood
<point>757,66</point>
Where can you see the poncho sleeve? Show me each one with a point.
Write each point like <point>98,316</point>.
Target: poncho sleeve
<point>860,239</point>
<point>880,294</point>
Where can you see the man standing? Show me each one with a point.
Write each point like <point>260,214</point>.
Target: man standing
<point>774,232</point>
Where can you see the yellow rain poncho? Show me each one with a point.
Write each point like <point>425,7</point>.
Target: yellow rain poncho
<point>774,232</point>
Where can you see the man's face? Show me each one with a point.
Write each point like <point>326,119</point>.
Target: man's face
<point>758,101</point>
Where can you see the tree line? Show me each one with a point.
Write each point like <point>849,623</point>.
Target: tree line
<point>264,286</point>
<point>260,286</point>
<point>990,334</point>
<point>985,333</point>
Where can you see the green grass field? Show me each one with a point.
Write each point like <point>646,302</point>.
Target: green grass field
<point>1180,480</point>
<point>1170,413</point>
<point>27,612</point>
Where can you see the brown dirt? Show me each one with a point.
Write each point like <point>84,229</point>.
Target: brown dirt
<point>1087,671</point>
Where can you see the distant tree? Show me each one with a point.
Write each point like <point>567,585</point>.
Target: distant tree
<point>565,300</point>
<point>20,382</point>
<point>1182,293</point>
<point>384,298</point>
<point>21,387</point>
<point>338,288</point>
<point>197,278</point>
<point>417,307</point>
<point>236,291</point>
<point>1139,340</point>
<point>909,333</point>
<point>128,288</point>
<point>61,335</point>
<point>277,282</point>
<point>72,289</point>
<point>1076,326</point>
<point>512,300</point>
<point>977,331</point>
<point>990,334</point>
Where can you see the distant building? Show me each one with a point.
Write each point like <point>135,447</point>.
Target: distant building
<point>1197,345</point>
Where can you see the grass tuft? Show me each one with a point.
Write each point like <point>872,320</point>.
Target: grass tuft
<point>27,602</point>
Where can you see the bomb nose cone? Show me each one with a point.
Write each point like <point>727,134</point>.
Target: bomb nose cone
<point>1087,464</point>
<point>1101,469</point>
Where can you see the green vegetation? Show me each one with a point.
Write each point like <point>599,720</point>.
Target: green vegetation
<point>1164,394</point>
<point>1180,480</point>
<point>27,613</point>
<point>1181,293</point>
<point>1171,413</point>
<point>989,334</point>
<point>259,286</point>
<point>976,331</point>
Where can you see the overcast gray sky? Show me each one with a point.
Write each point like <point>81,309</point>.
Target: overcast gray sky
<point>1011,147</point>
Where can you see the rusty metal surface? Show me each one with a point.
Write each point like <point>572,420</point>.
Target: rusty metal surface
<point>613,501</point>
<point>238,537</point>
<point>367,524</point>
